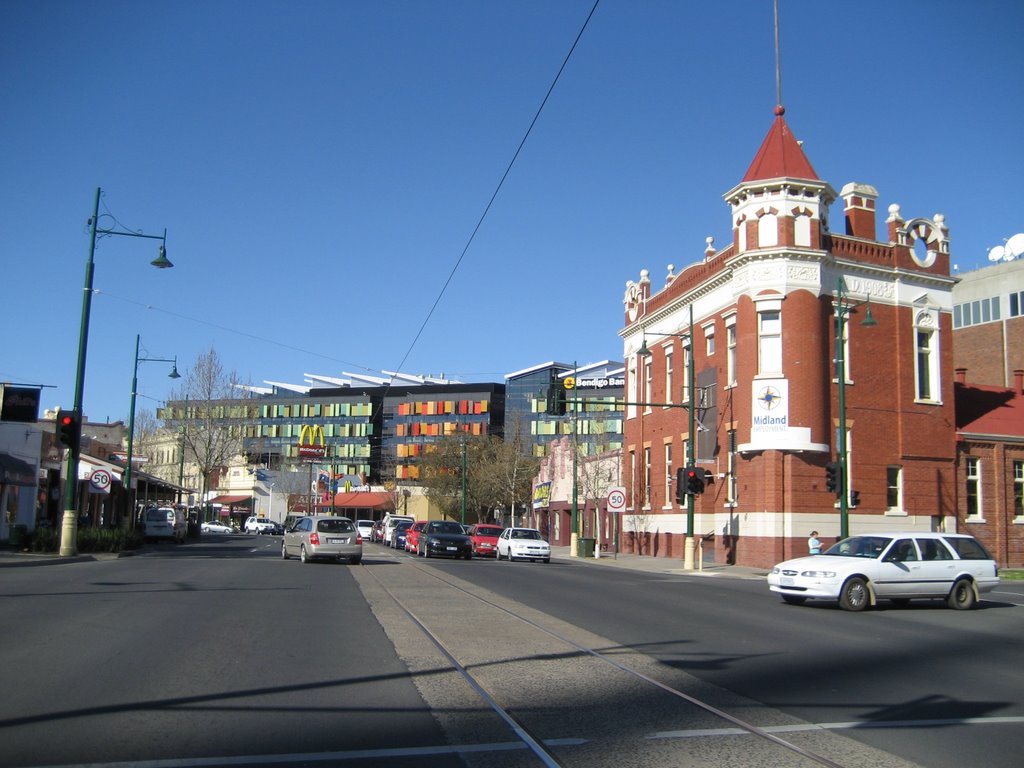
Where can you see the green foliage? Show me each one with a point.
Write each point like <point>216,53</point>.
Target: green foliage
<point>108,539</point>
<point>43,540</point>
<point>89,540</point>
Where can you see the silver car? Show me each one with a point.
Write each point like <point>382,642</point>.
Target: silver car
<point>323,537</point>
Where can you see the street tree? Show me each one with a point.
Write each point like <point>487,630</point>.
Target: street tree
<point>212,411</point>
<point>488,471</point>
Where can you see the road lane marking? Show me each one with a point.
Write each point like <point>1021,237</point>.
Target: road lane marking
<point>852,725</point>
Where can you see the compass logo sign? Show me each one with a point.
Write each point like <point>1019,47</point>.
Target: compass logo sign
<point>771,407</point>
<point>770,398</point>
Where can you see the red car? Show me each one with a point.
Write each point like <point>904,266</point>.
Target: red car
<point>484,539</point>
<point>412,536</point>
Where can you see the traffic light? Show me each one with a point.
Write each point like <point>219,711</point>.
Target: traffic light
<point>833,478</point>
<point>69,428</point>
<point>681,486</point>
<point>556,400</point>
<point>694,480</point>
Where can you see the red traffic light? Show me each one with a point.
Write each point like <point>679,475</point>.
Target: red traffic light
<point>69,428</point>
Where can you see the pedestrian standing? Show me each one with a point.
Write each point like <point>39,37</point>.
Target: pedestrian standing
<point>814,544</point>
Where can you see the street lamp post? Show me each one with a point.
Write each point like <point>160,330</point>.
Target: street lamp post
<point>691,447</point>
<point>843,310</point>
<point>69,524</point>
<point>131,415</point>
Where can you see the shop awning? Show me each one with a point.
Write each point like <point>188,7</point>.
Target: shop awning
<point>232,501</point>
<point>15,471</point>
<point>360,500</point>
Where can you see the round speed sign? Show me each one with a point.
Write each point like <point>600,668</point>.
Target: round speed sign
<point>617,500</point>
<point>100,480</point>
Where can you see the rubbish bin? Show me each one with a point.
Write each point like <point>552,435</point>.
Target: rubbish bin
<point>586,547</point>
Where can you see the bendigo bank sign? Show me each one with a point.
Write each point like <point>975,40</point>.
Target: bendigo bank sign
<point>311,442</point>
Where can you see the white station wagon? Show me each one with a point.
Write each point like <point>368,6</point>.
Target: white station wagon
<point>861,570</point>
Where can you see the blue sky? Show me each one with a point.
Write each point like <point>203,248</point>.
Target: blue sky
<point>321,166</point>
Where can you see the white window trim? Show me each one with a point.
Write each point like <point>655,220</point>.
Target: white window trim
<point>980,517</point>
<point>731,350</point>
<point>927,321</point>
<point>898,510</point>
<point>1018,489</point>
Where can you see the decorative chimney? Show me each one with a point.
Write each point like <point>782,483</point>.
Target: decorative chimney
<point>859,200</point>
<point>1018,381</point>
<point>961,375</point>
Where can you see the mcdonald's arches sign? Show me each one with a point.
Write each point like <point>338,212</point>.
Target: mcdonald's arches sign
<point>311,442</point>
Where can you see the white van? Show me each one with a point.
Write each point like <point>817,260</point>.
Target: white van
<point>165,523</point>
<point>390,521</point>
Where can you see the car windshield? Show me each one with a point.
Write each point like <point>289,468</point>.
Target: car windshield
<point>525,534</point>
<point>403,526</point>
<point>860,546</point>
<point>446,528</point>
<point>488,531</point>
<point>159,515</point>
<point>334,526</point>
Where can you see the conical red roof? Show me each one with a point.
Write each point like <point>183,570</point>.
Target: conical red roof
<point>780,155</point>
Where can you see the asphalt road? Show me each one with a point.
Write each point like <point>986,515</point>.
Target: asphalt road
<point>222,652</point>
<point>928,684</point>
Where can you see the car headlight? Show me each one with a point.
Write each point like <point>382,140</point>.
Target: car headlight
<point>818,574</point>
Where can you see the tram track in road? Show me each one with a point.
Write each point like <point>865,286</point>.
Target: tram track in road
<point>568,697</point>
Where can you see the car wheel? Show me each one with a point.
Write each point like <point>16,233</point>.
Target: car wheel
<point>547,559</point>
<point>284,551</point>
<point>356,561</point>
<point>469,555</point>
<point>302,554</point>
<point>855,595</point>
<point>962,596</point>
<point>794,599</point>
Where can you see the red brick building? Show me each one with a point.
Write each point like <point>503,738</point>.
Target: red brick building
<point>764,387</point>
<point>990,449</point>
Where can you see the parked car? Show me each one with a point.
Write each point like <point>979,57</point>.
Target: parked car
<point>412,535</point>
<point>365,528</point>
<point>522,544</point>
<point>444,538</point>
<point>861,570</point>
<point>215,526</point>
<point>484,539</point>
<point>398,534</point>
<point>390,521</point>
<point>165,523</point>
<point>260,525</point>
<point>323,537</point>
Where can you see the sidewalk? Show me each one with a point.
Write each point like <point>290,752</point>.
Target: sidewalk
<point>668,565</point>
<point>10,558</point>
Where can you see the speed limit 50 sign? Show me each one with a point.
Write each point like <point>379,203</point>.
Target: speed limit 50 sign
<point>617,499</point>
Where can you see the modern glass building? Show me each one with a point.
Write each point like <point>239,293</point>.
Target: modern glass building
<point>593,408</point>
